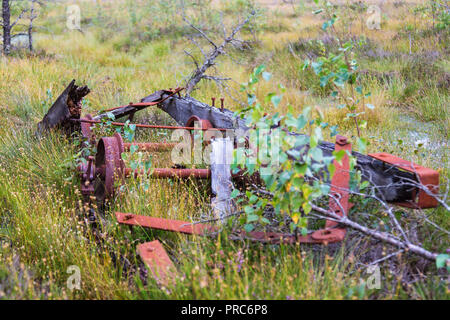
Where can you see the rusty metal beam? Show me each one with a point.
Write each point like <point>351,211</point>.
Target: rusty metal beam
<point>150,146</point>
<point>201,229</point>
<point>148,126</point>
<point>158,261</point>
<point>427,177</point>
<point>391,186</point>
<point>170,173</point>
<point>164,224</point>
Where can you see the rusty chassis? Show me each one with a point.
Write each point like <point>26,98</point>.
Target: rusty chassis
<point>101,174</point>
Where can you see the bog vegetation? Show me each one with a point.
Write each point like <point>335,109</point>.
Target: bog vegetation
<point>397,75</point>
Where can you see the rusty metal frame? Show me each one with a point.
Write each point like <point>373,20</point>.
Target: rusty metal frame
<point>427,177</point>
<point>339,203</point>
<point>109,167</point>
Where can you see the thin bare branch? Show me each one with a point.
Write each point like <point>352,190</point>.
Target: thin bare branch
<point>19,17</point>
<point>192,57</point>
<point>383,236</point>
<point>210,58</point>
<point>387,257</point>
<point>199,31</point>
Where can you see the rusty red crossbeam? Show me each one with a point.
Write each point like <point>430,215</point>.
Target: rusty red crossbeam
<point>148,104</point>
<point>202,229</point>
<point>150,146</point>
<point>164,224</point>
<point>170,173</point>
<point>149,126</point>
<point>429,178</point>
<point>158,261</point>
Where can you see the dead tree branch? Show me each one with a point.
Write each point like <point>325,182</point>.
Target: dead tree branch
<point>18,18</point>
<point>211,56</point>
<point>402,245</point>
<point>383,236</point>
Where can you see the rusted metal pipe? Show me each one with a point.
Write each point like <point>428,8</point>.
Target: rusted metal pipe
<point>150,146</point>
<point>148,104</point>
<point>138,125</point>
<point>170,173</point>
<point>339,196</point>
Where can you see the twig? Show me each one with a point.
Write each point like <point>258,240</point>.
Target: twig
<point>199,31</point>
<point>386,257</point>
<point>199,72</point>
<point>383,236</point>
<point>19,17</point>
<point>378,235</point>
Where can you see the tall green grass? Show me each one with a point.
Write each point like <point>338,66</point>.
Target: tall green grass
<point>42,225</point>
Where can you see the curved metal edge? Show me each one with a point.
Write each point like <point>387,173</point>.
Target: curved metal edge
<point>109,162</point>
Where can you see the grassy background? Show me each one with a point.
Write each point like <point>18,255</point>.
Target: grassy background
<point>129,49</point>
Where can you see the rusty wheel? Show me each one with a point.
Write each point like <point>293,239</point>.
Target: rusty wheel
<point>200,123</point>
<point>109,165</point>
<point>204,124</point>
